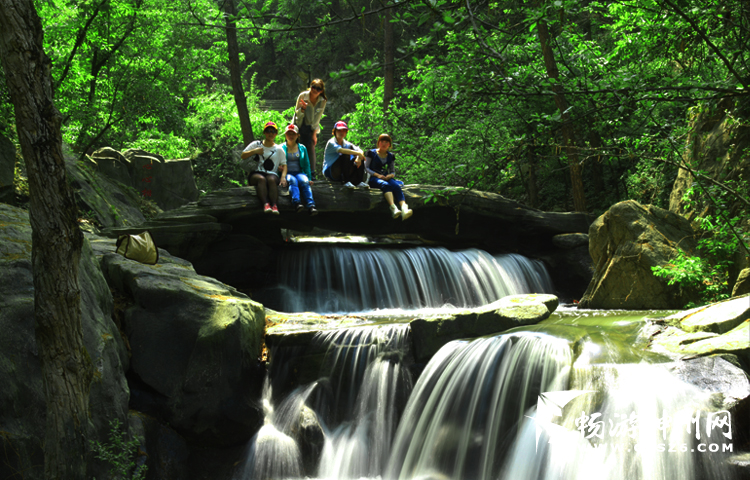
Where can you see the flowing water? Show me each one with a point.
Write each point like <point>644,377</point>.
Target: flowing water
<point>575,397</point>
<point>348,279</point>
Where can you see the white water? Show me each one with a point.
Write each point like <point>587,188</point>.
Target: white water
<point>472,415</point>
<point>340,279</point>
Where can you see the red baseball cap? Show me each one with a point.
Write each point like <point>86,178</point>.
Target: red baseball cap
<point>340,126</point>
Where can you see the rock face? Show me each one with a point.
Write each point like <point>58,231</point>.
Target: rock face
<point>195,345</point>
<point>22,402</point>
<point>625,242</point>
<point>110,203</point>
<point>742,286</point>
<point>169,183</point>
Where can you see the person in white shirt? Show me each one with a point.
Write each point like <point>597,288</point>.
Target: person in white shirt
<point>271,169</point>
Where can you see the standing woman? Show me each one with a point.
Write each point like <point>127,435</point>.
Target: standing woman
<point>380,163</point>
<point>307,115</point>
<point>266,178</point>
<point>298,171</point>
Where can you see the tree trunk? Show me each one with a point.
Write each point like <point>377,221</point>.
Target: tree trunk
<point>533,190</point>
<point>389,66</point>
<point>235,73</point>
<point>56,242</point>
<point>576,171</point>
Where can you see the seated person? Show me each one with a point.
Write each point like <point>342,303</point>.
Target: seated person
<point>298,171</point>
<point>380,164</point>
<point>343,161</point>
<point>266,178</point>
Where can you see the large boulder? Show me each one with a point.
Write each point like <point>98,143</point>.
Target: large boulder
<point>195,346</point>
<point>625,242</point>
<point>22,402</point>
<point>7,169</point>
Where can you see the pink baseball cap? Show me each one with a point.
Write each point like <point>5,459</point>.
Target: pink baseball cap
<point>340,126</point>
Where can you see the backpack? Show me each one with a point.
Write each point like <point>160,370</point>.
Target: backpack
<point>139,247</point>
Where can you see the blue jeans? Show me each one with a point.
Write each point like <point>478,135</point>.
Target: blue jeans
<point>299,183</point>
<point>389,186</point>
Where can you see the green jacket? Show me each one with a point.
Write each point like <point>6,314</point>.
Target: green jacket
<point>304,160</point>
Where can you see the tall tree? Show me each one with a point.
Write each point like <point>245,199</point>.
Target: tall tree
<point>568,133</point>
<point>56,242</point>
<point>235,73</point>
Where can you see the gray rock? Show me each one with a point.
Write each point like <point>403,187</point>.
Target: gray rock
<point>625,242</point>
<point>742,286</point>
<point>165,452</point>
<point>430,334</point>
<point>195,346</point>
<point>111,203</point>
<point>22,402</point>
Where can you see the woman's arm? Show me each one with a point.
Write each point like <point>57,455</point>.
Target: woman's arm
<point>318,116</point>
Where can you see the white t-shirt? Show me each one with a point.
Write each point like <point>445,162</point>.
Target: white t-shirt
<point>275,153</point>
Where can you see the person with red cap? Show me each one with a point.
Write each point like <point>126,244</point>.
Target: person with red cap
<point>270,171</point>
<point>344,161</point>
<point>298,171</point>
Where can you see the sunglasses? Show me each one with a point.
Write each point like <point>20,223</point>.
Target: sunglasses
<point>315,87</point>
<point>270,130</point>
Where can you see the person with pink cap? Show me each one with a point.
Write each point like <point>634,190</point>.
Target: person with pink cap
<point>271,169</point>
<point>344,161</point>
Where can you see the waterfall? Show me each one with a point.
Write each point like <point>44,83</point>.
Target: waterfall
<point>341,279</point>
<point>469,401</point>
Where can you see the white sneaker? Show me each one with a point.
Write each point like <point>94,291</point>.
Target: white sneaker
<point>363,185</point>
<point>395,212</point>
<point>406,212</point>
<point>349,185</point>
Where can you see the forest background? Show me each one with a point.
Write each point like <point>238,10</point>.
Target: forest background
<point>559,104</point>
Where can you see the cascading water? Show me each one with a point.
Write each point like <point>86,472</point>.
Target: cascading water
<point>521,405</point>
<point>341,279</point>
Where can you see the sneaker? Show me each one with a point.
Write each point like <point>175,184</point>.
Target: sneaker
<point>313,211</point>
<point>267,208</point>
<point>275,210</point>
<point>298,207</point>
<point>406,212</point>
<point>349,185</point>
<point>395,212</point>
<point>363,185</point>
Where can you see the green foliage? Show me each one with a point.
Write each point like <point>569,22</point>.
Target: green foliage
<point>214,133</point>
<point>121,453</point>
<point>708,274</point>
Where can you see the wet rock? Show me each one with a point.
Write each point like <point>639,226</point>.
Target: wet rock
<point>431,333</point>
<point>310,437</point>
